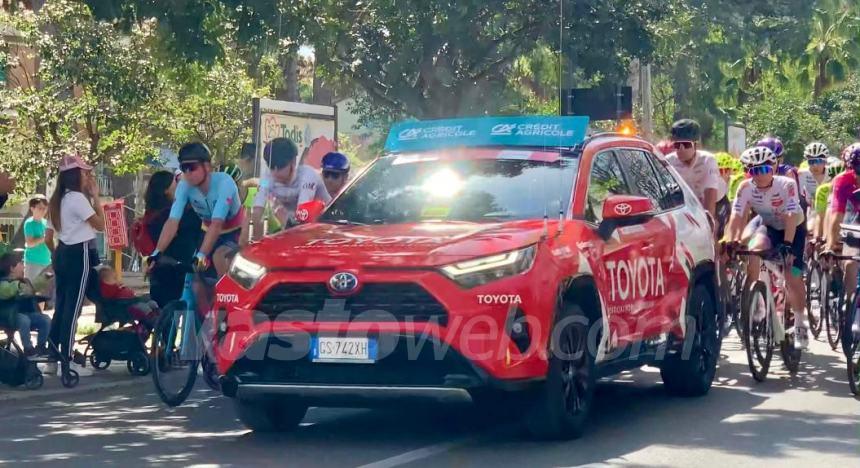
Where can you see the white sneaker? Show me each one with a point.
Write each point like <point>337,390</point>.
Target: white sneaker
<point>82,371</point>
<point>49,368</point>
<point>801,337</point>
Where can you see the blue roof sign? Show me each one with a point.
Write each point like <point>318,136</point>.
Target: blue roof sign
<point>488,131</point>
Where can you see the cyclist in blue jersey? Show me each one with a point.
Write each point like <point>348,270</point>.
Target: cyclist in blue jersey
<point>214,196</point>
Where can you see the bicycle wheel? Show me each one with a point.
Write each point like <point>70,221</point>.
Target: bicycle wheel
<point>758,339</point>
<point>854,368</point>
<point>814,304</point>
<point>176,353</point>
<point>787,349</point>
<point>832,308</point>
<point>847,336</point>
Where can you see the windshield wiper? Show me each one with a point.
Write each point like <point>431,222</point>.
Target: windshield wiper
<point>499,215</point>
<point>348,222</point>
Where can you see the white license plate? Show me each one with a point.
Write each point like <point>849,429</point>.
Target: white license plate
<point>340,350</point>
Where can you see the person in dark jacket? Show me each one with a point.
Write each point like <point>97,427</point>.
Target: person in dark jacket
<point>7,185</point>
<point>165,283</point>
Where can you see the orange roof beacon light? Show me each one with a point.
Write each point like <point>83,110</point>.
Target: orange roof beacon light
<point>626,128</point>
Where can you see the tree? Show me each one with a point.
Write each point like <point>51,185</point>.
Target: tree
<point>211,105</point>
<point>91,90</point>
<point>788,116</point>
<point>833,43</point>
<point>419,58</point>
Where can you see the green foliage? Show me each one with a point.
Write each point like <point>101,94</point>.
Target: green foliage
<point>790,117</point>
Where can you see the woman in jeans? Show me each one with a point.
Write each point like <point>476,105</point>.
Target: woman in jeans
<point>76,214</point>
<point>166,282</point>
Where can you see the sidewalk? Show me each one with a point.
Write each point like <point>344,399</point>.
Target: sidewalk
<point>116,375</point>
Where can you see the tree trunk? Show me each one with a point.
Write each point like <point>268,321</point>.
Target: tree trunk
<point>291,77</point>
<point>290,71</point>
<point>820,78</point>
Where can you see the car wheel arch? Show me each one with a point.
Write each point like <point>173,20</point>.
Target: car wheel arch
<point>583,291</point>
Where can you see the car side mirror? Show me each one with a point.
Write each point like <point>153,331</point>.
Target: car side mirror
<point>624,210</point>
<point>308,212</point>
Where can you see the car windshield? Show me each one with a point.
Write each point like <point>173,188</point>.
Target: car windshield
<point>397,189</point>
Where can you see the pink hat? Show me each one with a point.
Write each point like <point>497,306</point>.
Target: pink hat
<point>73,161</point>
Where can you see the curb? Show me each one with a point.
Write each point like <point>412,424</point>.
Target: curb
<point>29,395</point>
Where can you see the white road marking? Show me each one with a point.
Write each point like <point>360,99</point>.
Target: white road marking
<point>436,449</point>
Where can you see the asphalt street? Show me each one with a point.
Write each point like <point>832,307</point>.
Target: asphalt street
<point>805,421</point>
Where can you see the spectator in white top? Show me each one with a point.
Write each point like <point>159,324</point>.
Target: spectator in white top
<point>76,214</point>
<point>699,170</point>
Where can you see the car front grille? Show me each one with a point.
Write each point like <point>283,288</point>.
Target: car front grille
<point>374,302</point>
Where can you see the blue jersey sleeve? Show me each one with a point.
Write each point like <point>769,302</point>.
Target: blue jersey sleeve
<point>227,203</point>
<point>180,200</point>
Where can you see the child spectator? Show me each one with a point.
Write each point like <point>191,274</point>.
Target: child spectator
<point>37,255</point>
<point>144,311</point>
<point>17,298</point>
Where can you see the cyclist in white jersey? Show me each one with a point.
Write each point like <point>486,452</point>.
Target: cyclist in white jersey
<point>816,155</point>
<point>288,185</point>
<point>699,169</point>
<point>775,199</point>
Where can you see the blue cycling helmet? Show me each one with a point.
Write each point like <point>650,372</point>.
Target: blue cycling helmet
<point>335,162</point>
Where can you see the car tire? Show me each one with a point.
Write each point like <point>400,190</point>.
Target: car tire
<point>693,375</point>
<point>561,404</point>
<point>270,415</point>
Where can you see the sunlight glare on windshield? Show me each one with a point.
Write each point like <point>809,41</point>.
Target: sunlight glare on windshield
<point>443,183</point>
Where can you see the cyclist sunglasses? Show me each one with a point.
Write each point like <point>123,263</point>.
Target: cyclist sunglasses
<point>760,170</point>
<point>816,161</point>
<point>332,174</point>
<point>682,144</point>
<point>189,167</point>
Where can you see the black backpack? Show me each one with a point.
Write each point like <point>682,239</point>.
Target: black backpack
<point>14,367</point>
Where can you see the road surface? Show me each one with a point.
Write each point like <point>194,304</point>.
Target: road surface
<point>808,420</point>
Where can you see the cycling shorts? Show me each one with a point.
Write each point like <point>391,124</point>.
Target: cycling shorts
<point>798,247</point>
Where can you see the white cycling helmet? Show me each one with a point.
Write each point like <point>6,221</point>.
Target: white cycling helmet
<point>835,166</point>
<point>816,150</point>
<point>758,155</point>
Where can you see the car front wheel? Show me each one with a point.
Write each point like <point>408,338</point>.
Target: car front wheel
<point>563,402</point>
<point>690,370</point>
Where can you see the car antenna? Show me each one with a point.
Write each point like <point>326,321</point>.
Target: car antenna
<point>545,234</point>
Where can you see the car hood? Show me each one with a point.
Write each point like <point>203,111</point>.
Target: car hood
<point>320,245</point>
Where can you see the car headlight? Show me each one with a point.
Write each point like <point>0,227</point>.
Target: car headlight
<point>245,272</point>
<point>483,270</point>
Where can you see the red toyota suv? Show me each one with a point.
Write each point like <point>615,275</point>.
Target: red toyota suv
<point>475,258</point>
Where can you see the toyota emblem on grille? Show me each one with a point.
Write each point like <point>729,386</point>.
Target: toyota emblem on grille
<point>343,282</point>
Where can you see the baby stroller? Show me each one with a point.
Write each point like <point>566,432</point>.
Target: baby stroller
<point>16,369</point>
<point>127,342</point>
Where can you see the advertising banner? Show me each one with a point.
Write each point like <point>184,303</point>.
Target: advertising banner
<point>491,131</point>
<point>313,128</point>
<point>116,229</point>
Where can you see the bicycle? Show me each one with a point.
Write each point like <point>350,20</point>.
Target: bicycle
<point>835,299</point>
<point>733,280</point>
<point>815,293</point>
<point>767,318</point>
<point>181,344</point>
<point>851,341</point>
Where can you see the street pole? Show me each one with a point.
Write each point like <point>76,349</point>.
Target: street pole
<point>647,104</point>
